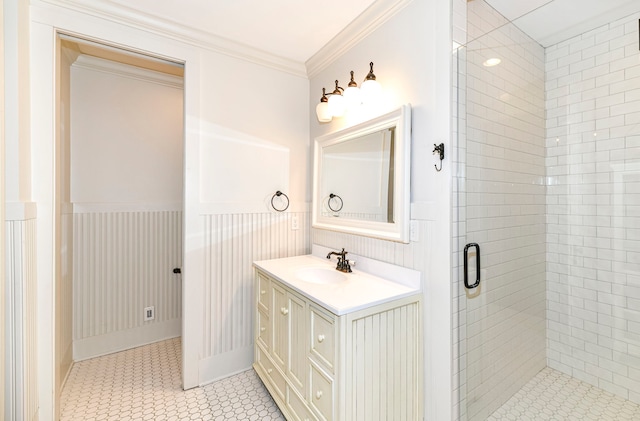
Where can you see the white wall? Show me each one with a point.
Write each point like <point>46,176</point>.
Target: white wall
<point>126,135</point>
<point>412,55</point>
<point>21,399</point>
<point>2,234</point>
<point>126,171</point>
<point>593,146</point>
<point>17,119</point>
<point>216,108</point>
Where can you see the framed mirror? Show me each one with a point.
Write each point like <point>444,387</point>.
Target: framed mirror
<point>361,178</point>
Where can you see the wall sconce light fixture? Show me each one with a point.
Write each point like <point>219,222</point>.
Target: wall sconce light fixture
<point>336,103</point>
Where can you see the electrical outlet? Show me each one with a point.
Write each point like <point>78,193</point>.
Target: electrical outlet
<point>414,231</point>
<point>294,222</point>
<point>149,313</point>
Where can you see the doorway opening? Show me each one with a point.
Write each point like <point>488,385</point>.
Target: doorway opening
<point>119,183</point>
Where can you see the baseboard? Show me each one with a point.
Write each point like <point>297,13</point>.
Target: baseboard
<point>225,365</point>
<point>122,340</point>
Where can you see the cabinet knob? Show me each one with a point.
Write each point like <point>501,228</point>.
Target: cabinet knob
<point>269,370</point>
<point>262,329</point>
<point>262,292</point>
<point>320,338</point>
<point>284,311</point>
<point>318,394</point>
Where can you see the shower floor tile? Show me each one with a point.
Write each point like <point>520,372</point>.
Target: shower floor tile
<point>552,395</point>
<point>145,384</point>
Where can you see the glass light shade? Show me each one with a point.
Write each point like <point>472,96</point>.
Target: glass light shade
<point>322,111</point>
<point>370,91</point>
<point>352,96</point>
<point>337,105</point>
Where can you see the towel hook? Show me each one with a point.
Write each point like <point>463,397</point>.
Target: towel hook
<point>440,150</point>
<point>279,194</point>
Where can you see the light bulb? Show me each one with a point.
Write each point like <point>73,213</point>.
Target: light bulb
<point>337,105</point>
<point>352,94</point>
<point>322,111</point>
<point>370,91</point>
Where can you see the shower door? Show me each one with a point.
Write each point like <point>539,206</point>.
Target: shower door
<point>501,218</point>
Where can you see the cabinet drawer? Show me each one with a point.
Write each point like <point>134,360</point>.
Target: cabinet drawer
<point>274,376</point>
<point>264,330</point>
<point>264,292</point>
<point>323,334</point>
<point>321,393</point>
<point>301,411</point>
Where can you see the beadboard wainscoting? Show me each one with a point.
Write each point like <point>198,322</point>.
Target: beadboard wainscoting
<point>413,255</point>
<point>232,242</point>
<point>396,332</point>
<point>21,399</point>
<point>418,255</point>
<point>123,262</point>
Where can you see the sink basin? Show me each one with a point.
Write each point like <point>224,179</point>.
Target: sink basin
<point>321,275</point>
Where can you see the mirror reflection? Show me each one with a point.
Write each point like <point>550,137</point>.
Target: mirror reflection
<point>358,179</point>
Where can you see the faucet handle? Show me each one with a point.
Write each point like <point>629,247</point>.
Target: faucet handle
<point>346,267</point>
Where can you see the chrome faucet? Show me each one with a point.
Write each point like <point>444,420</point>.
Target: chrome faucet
<point>343,263</point>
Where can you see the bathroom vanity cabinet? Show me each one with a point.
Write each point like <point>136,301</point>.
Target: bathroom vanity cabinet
<point>357,365</point>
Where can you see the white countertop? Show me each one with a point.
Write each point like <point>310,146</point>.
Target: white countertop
<point>360,289</point>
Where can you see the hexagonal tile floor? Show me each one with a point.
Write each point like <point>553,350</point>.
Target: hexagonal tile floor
<point>145,384</point>
<point>552,395</point>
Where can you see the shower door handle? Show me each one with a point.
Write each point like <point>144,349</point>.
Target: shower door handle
<point>466,265</point>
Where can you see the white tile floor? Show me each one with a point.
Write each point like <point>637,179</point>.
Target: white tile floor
<point>552,395</point>
<point>144,384</point>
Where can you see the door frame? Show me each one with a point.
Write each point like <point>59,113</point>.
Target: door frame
<point>45,28</point>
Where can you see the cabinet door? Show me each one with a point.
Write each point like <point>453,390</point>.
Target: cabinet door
<point>297,361</point>
<point>323,337</point>
<point>280,326</point>
<point>263,334</point>
<point>264,292</point>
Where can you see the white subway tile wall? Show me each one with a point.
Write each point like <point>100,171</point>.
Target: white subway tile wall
<point>593,207</point>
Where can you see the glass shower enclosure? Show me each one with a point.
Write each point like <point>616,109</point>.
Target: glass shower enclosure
<point>547,204</point>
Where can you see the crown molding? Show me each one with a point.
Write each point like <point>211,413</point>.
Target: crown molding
<point>166,28</point>
<point>367,22</point>
<point>124,70</point>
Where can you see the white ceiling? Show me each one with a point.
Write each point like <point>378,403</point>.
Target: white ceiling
<point>552,21</point>
<point>292,29</point>
<point>295,30</point>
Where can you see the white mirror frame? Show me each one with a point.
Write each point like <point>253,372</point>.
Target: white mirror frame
<point>394,231</point>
